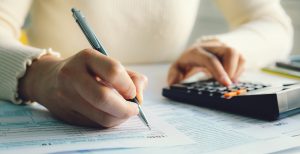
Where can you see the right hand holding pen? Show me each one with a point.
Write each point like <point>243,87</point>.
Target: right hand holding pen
<point>87,89</point>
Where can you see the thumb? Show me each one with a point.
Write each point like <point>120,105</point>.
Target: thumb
<point>140,81</point>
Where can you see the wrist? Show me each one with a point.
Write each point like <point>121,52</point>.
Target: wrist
<point>32,82</point>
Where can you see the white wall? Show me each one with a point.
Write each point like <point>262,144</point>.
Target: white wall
<point>210,21</point>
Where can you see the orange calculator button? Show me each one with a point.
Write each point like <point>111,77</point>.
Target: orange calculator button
<point>241,91</point>
<point>230,94</point>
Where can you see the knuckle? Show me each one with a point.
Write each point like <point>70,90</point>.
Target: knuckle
<point>193,51</point>
<point>140,77</point>
<point>230,51</point>
<point>85,53</point>
<point>211,58</point>
<point>116,69</point>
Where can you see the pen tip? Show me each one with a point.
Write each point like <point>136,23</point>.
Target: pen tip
<point>149,127</point>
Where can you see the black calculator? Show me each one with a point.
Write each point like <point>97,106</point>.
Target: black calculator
<point>257,100</point>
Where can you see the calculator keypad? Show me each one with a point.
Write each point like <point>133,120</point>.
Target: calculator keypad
<point>213,88</point>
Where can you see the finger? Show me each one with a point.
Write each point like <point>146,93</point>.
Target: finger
<point>111,71</point>
<point>240,69</point>
<point>75,118</point>
<point>175,75</point>
<point>66,112</point>
<point>140,81</point>
<point>217,70</point>
<point>230,63</point>
<point>229,57</point>
<point>104,98</point>
<point>97,116</point>
<point>91,115</point>
<point>203,58</point>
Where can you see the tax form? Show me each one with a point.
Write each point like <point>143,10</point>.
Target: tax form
<point>219,132</point>
<point>31,129</point>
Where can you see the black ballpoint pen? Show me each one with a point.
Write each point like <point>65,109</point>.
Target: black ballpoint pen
<point>94,41</point>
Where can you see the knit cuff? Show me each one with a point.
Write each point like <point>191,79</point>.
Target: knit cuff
<point>28,62</point>
<point>13,67</point>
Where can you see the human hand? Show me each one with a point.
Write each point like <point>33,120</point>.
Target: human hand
<point>87,89</point>
<point>222,62</point>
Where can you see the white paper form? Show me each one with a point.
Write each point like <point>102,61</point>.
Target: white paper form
<point>31,129</point>
<point>216,131</point>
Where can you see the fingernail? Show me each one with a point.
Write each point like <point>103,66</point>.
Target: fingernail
<point>226,80</point>
<point>235,80</point>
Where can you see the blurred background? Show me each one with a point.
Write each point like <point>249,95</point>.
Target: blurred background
<point>211,21</point>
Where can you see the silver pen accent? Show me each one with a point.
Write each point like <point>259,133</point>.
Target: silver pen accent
<point>141,113</point>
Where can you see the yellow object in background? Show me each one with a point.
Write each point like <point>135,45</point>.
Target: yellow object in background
<point>282,72</point>
<point>23,37</point>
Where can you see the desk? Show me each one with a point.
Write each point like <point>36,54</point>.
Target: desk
<point>213,131</point>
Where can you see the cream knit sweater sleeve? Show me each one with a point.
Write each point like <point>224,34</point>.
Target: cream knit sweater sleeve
<point>261,30</point>
<point>14,57</point>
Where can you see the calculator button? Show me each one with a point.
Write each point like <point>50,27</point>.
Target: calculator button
<point>241,91</point>
<point>190,87</point>
<point>230,94</point>
<point>250,89</point>
<point>215,89</point>
<point>221,88</point>
<point>259,86</point>
<point>200,89</point>
<point>234,89</point>
<point>212,90</point>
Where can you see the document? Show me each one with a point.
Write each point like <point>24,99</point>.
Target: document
<point>219,132</point>
<point>31,128</point>
<point>216,132</point>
